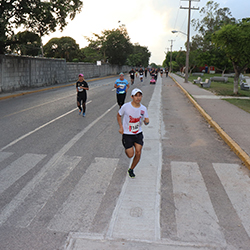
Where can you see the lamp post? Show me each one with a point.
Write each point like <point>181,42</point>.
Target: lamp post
<point>178,31</point>
<point>187,53</point>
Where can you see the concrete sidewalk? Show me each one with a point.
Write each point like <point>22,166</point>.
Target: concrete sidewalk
<point>229,121</point>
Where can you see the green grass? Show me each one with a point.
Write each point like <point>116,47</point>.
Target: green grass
<point>240,103</point>
<point>226,89</point>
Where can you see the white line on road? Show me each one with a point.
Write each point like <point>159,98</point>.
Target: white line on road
<point>17,169</point>
<point>137,212</point>
<point>35,130</point>
<point>237,186</point>
<point>46,188</point>
<point>195,216</point>
<point>19,198</point>
<point>4,155</point>
<point>79,210</point>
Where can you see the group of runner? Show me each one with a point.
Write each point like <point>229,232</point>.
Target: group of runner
<point>134,115</point>
<point>144,72</point>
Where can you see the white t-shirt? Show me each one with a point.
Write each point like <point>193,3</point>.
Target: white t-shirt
<point>132,118</point>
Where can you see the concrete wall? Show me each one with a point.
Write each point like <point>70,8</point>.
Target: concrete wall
<point>19,72</point>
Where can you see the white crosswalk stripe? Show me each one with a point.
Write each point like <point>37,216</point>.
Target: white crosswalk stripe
<point>17,169</point>
<point>80,208</point>
<point>237,186</point>
<point>45,189</point>
<point>4,155</point>
<point>195,217</point>
<point>41,186</point>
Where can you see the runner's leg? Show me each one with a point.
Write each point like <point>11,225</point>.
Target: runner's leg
<point>137,156</point>
<point>79,104</point>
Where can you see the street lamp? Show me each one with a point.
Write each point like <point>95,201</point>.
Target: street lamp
<point>187,53</point>
<point>178,31</point>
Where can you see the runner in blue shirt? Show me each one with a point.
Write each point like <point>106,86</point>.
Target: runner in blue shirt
<point>121,86</point>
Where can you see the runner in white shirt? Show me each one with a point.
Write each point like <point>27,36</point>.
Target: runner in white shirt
<point>134,114</point>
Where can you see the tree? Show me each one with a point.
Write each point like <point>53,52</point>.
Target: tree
<point>114,45</point>
<point>175,65</point>
<point>214,18</point>
<point>140,56</point>
<point>26,43</point>
<point>38,16</point>
<point>181,59</point>
<point>201,45</point>
<point>208,54</point>
<point>90,54</point>
<point>64,47</point>
<point>117,46</point>
<point>234,40</point>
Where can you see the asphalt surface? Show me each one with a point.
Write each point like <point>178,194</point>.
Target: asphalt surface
<point>229,121</point>
<point>144,229</point>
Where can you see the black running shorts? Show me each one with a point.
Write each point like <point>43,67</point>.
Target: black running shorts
<point>128,141</point>
<point>81,98</point>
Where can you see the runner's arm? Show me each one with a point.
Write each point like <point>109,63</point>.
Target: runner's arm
<point>119,120</point>
<point>146,121</point>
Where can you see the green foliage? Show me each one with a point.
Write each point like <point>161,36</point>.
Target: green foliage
<point>234,40</point>
<point>214,18</point>
<point>240,103</point>
<point>140,56</point>
<point>26,43</point>
<point>42,17</point>
<point>153,65</point>
<point>201,47</point>
<point>91,55</point>
<point>114,45</point>
<point>64,47</point>
<point>181,59</point>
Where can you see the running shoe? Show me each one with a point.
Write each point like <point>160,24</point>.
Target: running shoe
<point>83,114</point>
<point>80,112</point>
<point>131,173</point>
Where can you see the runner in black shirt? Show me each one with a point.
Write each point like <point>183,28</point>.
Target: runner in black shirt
<point>132,75</point>
<point>81,87</point>
<point>141,74</point>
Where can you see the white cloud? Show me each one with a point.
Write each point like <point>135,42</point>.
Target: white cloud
<point>148,22</point>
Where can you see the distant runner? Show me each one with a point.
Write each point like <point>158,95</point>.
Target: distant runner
<point>132,75</point>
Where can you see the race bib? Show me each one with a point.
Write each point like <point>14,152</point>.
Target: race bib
<point>134,127</point>
<point>134,124</point>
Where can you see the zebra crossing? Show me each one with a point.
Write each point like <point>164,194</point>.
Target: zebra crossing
<point>196,218</point>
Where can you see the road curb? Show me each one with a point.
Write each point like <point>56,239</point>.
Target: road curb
<point>49,88</point>
<point>232,144</point>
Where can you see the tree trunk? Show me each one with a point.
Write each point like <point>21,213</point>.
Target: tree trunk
<point>236,78</point>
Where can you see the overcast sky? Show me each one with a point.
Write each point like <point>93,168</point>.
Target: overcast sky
<point>149,22</point>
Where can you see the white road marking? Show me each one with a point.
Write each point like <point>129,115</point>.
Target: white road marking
<point>137,213</point>
<point>35,130</point>
<point>79,210</point>
<point>45,189</point>
<point>17,169</point>
<point>237,185</point>
<point>16,201</point>
<point>195,216</point>
<point>4,155</point>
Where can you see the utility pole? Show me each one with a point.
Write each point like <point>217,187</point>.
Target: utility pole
<point>188,34</point>
<point>171,46</point>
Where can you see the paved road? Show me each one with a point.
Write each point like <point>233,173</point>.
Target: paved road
<point>64,185</point>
